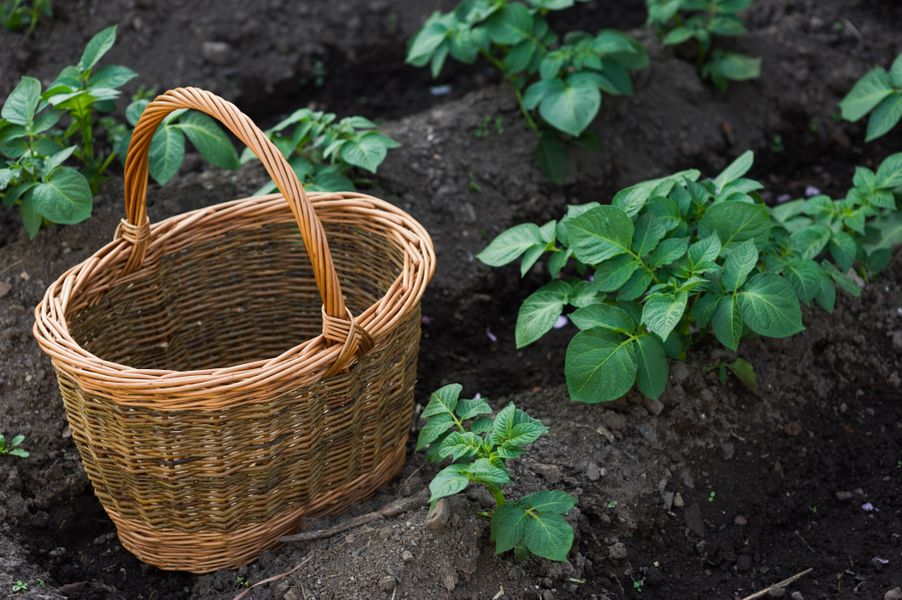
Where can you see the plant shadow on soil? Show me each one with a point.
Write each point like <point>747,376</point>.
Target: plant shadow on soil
<point>790,467</point>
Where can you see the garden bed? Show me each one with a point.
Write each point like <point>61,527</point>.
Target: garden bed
<point>716,492</point>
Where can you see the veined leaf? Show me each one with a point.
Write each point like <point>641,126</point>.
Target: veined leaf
<point>549,536</point>
<point>443,400</point>
<point>508,526</point>
<point>867,93</point>
<point>539,312</point>
<point>599,234</point>
<point>652,366</point>
<point>727,322</point>
<point>661,313</point>
<point>769,306</point>
<point>449,481</point>
<point>510,244</point>
<point>600,366</point>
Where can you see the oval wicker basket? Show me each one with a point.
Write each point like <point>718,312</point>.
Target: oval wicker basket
<point>219,381</point>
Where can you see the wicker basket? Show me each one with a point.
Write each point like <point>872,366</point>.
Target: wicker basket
<point>218,383</point>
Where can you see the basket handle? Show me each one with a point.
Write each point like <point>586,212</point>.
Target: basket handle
<point>338,324</point>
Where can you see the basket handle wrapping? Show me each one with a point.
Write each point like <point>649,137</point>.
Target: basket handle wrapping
<point>338,324</point>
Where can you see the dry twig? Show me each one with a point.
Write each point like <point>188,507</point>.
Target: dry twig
<point>780,584</point>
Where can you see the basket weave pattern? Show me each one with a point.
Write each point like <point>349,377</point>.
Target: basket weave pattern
<point>219,381</point>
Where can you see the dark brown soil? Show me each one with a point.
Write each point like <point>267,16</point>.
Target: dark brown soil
<point>769,483</point>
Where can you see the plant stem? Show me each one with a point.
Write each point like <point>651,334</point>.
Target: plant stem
<point>500,66</point>
<point>496,493</point>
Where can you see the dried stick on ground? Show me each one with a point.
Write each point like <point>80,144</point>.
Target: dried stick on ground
<point>780,584</point>
<point>391,509</point>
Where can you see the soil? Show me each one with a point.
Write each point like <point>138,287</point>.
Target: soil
<point>716,492</point>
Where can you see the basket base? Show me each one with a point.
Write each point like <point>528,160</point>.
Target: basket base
<point>203,552</point>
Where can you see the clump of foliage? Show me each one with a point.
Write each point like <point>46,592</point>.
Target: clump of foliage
<point>478,447</point>
<point>13,447</point>
<point>324,151</point>
<point>16,15</point>
<point>560,80</point>
<point>700,22</point>
<point>42,133</point>
<point>672,259</point>
<point>878,93</point>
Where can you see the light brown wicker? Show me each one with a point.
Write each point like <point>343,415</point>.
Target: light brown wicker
<point>220,383</point>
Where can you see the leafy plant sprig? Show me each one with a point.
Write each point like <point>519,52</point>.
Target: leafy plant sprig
<point>13,447</point>
<point>478,447</point>
<point>16,15</point>
<point>675,258</point>
<point>560,82</point>
<point>878,93</point>
<point>324,151</point>
<point>679,21</point>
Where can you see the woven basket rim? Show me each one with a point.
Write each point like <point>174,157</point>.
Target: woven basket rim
<point>51,328</point>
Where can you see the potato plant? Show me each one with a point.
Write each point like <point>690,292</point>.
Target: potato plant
<point>43,132</point>
<point>478,447</point>
<point>13,446</point>
<point>701,22</point>
<point>672,259</point>
<point>878,93</point>
<point>324,151</point>
<point>558,82</point>
<point>16,15</point>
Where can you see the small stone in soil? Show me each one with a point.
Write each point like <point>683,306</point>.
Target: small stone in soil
<point>740,521</point>
<point>593,471</point>
<point>4,288</point>
<point>844,496</point>
<point>729,451</point>
<point>407,556</point>
<point>551,473</point>
<point>617,551</point>
<point>694,521</point>
<point>893,594</point>
<point>678,500</point>
<point>439,515</point>
<point>793,429</point>
<point>653,406</point>
<point>387,583</point>
<point>743,563</point>
<point>796,596</point>
<point>776,593</point>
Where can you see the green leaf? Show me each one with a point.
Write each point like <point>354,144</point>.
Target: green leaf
<point>678,35</point>
<point>811,241</point>
<point>885,116</point>
<point>572,105</point>
<point>745,372</point>
<point>112,76</point>
<point>366,152</point>
<point>64,197</point>
<point>631,199</point>
<point>612,274</point>
<point>727,322</point>
<point>735,170</point>
<point>805,277</point>
<point>551,158</point>
<point>599,234</point>
<point>31,219</point>
<point>425,43</point>
<point>600,366</point>
<point>740,262</point>
<point>549,536</point>
<point>650,229</point>
<point>668,251</point>
<point>443,400</point>
<point>895,72</point>
<point>705,250</point>
<point>457,445</point>
<point>209,139</point>
<point>526,433</point>
<point>603,315</point>
<point>635,286</point>
<point>504,422</point>
<point>484,471</point>
<point>21,104</point>
<point>433,429</point>
<point>98,45</point>
<point>508,526</point>
<point>52,162</point>
<point>652,366</point>
<point>449,481</point>
<point>552,502</point>
<point>661,313</point>
<point>889,174</point>
<point>510,244</point>
<point>826,294</point>
<point>867,93</point>
<point>469,408</point>
<point>769,306</point>
<point>703,309</point>
<point>510,25</point>
<point>167,152</point>
<point>21,453</point>
<point>735,222</point>
<point>731,66</point>
<point>843,249</point>
<point>539,312</point>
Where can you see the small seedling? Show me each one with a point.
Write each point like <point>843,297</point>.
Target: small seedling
<point>242,581</point>
<point>479,447</point>
<point>19,586</point>
<point>712,495</point>
<point>672,260</point>
<point>13,447</point>
<point>878,93</point>
<point>558,81</point>
<point>741,369</point>
<point>638,585</point>
<point>813,509</point>
<point>325,152</point>
<point>16,15</point>
<point>611,504</point>
<point>700,22</point>
<point>488,126</point>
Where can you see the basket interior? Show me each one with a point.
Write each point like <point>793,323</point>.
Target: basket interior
<point>246,295</point>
